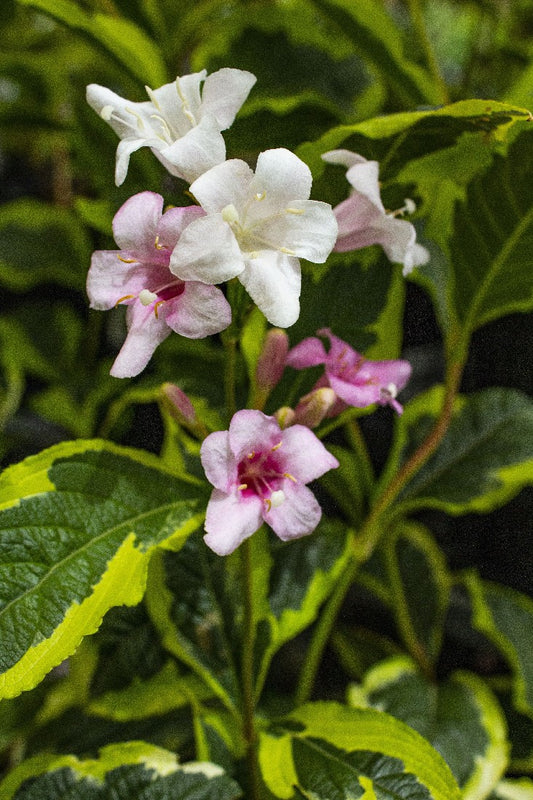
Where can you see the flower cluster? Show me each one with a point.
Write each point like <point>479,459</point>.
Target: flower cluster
<point>253,226</point>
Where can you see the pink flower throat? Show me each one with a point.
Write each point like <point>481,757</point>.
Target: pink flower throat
<point>261,474</point>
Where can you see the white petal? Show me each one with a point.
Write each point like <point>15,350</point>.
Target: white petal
<point>345,157</point>
<point>223,185</point>
<point>273,281</point>
<point>282,177</point>
<point>207,251</point>
<point>365,179</point>
<point>124,150</point>
<point>197,151</point>
<point>308,228</point>
<point>230,519</point>
<point>224,93</point>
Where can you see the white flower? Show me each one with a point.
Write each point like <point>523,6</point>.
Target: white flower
<point>362,217</point>
<point>256,226</point>
<point>181,123</point>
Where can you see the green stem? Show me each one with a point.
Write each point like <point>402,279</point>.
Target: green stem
<point>369,536</point>
<point>247,671</point>
<point>230,346</point>
<point>358,443</point>
<point>417,18</point>
<point>322,633</point>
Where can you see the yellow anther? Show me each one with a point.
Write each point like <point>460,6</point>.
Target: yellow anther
<point>152,97</point>
<point>268,504</point>
<point>260,196</point>
<point>157,245</point>
<point>251,455</point>
<point>140,121</point>
<point>122,299</point>
<point>127,260</point>
<point>242,487</point>
<point>276,446</point>
<point>290,477</point>
<point>156,307</point>
<point>295,211</point>
<point>287,251</point>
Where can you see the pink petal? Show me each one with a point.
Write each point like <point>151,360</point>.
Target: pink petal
<point>173,223</point>
<point>218,461</point>
<point>144,335</point>
<point>355,394</point>
<point>230,519</point>
<point>309,353</point>
<point>251,430</point>
<point>199,311</point>
<point>297,516</point>
<point>304,455</point>
<point>109,279</point>
<point>135,223</point>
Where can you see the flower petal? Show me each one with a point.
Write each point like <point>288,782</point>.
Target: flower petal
<point>224,93</point>
<point>273,281</point>
<point>201,148</point>
<point>251,430</point>
<point>199,311</point>
<point>110,279</point>
<point>305,457</point>
<point>230,519</point>
<point>173,223</point>
<point>125,148</point>
<point>207,251</point>
<point>144,334</point>
<point>359,222</point>
<point>297,516</point>
<point>223,185</point>
<point>308,228</point>
<point>218,461</point>
<point>135,223</point>
<point>358,394</point>
<point>308,353</point>
<point>283,177</point>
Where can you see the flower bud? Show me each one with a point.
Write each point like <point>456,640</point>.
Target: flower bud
<point>285,417</point>
<point>271,362</point>
<point>315,406</point>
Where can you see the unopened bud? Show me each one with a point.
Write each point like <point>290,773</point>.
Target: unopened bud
<point>315,406</point>
<point>285,417</point>
<point>272,360</point>
<point>179,405</point>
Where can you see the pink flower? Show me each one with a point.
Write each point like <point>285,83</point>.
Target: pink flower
<point>356,380</point>
<point>138,276</point>
<point>260,474</point>
<point>362,218</point>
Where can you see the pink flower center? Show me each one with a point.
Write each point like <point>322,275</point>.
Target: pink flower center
<point>346,368</point>
<point>260,474</point>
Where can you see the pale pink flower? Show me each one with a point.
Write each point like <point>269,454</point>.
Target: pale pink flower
<point>138,276</point>
<point>356,380</point>
<point>260,474</point>
<point>363,220</point>
<point>181,121</point>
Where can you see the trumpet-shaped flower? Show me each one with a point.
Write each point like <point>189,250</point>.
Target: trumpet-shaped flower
<point>138,276</point>
<point>181,122</point>
<point>362,218</point>
<point>260,474</point>
<point>256,227</point>
<point>356,380</point>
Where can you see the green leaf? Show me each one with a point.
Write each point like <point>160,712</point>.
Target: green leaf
<point>517,789</point>
<point>78,524</point>
<point>485,458</point>
<point>411,134</point>
<point>331,752</point>
<point>41,243</point>
<point>420,584</point>
<point>118,37</point>
<point>123,771</point>
<point>375,37</point>
<point>460,717</point>
<point>505,617</point>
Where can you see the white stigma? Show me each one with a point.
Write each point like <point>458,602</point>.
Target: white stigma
<point>391,390</point>
<point>277,498</point>
<point>107,112</point>
<point>230,214</point>
<point>147,297</point>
